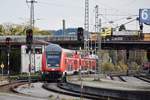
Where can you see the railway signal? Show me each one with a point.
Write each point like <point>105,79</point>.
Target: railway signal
<point>80,35</point>
<point>29,38</point>
<point>8,40</point>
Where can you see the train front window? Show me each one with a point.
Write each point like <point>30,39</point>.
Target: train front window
<point>53,59</point>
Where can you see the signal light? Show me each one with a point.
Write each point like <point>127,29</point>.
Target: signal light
<point>8,39</point>
<point>29,38</point>
<point>80,36</point>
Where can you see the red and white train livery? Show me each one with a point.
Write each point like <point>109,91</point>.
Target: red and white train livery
<point>58,62</point>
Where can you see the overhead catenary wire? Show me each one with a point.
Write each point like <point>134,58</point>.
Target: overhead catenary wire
<point>116,20</point>
<point>107,6</point>
<point>114,17</point>
<point>108,16</point>
<point>27,4</point>
<point>58,5</point>
<point>127,22</point>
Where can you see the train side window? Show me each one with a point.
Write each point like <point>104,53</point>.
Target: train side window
<point>69,55</point>
<point>38,50</point>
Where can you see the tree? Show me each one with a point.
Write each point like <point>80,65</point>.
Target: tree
<point>1,29</point>
<point>122,66</point>
<point>121,56</point>
<point>19,29</point>
<point>8,28</point>
<point>113,56</point>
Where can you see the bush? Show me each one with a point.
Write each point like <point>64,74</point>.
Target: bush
<point>117,68</point>
<point>123,66</point>
<point>134,66</point>
<point>107,67</point>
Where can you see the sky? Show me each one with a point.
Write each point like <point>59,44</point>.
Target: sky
<point>50,13</point>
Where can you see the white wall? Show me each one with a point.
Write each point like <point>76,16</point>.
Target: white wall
<point>25,60</point>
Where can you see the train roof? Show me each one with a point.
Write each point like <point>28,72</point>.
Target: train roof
<point>53,47</point>
<point>56,47</point>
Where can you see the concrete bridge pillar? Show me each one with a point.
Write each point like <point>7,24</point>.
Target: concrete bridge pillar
<point>148,55</point>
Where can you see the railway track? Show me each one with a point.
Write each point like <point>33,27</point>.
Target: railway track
<point>59,88</point>
<point>62,88</point>
<point>143,78</point>
<point>117,78</point>
<point>140,77</point>
<point>10,86</point>
<point>103,94</point>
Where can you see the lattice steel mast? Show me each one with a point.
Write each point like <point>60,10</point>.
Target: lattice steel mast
<point>86,26</point>
<point>96,18</point>
<point>32,20</point>
<point>98,42</point>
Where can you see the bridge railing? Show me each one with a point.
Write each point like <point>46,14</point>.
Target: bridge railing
<point>22,38</point>
<point>13,38</point>
<point>64,38</point>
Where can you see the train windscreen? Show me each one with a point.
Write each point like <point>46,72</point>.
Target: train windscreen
<point>53,58</point>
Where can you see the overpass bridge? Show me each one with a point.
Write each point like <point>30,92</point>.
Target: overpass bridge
<point>70,41</point>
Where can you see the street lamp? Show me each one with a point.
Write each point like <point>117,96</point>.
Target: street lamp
<point>8,40</point>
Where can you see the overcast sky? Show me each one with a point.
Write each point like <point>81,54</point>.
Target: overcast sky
<point>50,13</point>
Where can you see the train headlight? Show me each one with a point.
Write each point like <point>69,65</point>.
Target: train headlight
<point>57,65</point>
<point>49,64</point>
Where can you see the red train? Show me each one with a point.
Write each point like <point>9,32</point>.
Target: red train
<point>58,62</point>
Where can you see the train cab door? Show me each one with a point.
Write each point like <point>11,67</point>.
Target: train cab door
<point>66,63</point>
<point>75,64</point>
<point>82,65</point>
<point>93,65</point>
<point>69,66</point>
<point>62,63</point>
<point>90,65</point>
<point>87,63</point>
